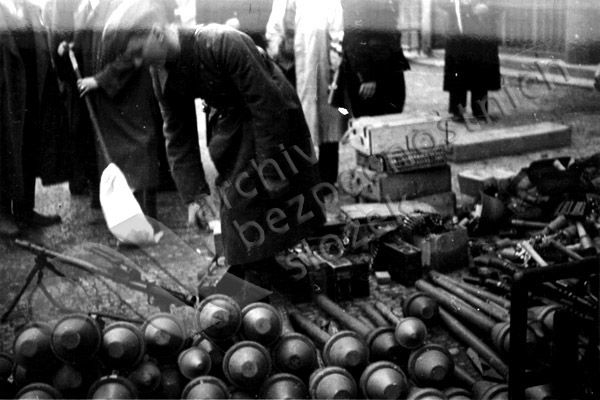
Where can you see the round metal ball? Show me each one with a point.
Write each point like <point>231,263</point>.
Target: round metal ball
<point>76,338</point>
<point>205,387</point>
<point>348,350</point>
<point>421,306</point>
<point>261,323</point>
<point>112,387</point>
<point>383,380</point>
<point>123,345</point>
<point>219,317</point>
<point>430,365</point>
<point>247,365</point>
<point>32,346</point>
<point>164,335</point>
<point>283,386</point>
<point>38,391</point>
<point>411,333</point>
<point>295,354</point>
<point>146,377</point>
<point>383,345</point>
<point>332,383</point>
<point>194,362</point>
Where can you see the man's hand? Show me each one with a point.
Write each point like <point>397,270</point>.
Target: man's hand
<point>367,90</point>
<point>87,85</point>
<point>63,48</point>
<point>201,212</point>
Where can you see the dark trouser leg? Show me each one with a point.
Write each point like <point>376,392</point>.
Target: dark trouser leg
<point>26,204</point>
<point>147,200</point>
<point>8,228</point>
<point>479,103</point>
<point>458,102</point>
<point>329,161</point>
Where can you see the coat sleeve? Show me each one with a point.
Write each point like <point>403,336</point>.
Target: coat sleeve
<point>265,98</point>
<point>274,31</point>
<point>335,25</point>
<point>181,137</point>
<point>115,75</point>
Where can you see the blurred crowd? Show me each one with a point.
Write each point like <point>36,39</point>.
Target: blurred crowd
<point>344,58</point>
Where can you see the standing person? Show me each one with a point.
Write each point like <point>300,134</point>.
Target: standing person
<point>68,20</point>
<point>371,79</point>
<point>313,29</point>
<point>257,136</point>
<point>31,128</point>
<point>131,124</point>
<point>12,112</point>
<point>472,63</point>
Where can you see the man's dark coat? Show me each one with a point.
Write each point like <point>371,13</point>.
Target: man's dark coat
<point>471,61</point>
<point>372,52</point>
<point>255,123</point>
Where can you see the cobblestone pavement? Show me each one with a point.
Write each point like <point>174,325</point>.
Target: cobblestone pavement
<point>182,254</point>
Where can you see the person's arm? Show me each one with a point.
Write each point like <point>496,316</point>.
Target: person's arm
<point>274,31</point>
<point>264,98</point>
<point>336,34</point>
<point>115,75</point>
<point>111,79</point>
<point>181,137</point>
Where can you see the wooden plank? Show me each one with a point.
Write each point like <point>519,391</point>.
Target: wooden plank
<point>509,141</point>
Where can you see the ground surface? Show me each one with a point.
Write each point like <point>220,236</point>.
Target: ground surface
<point>179,257</point>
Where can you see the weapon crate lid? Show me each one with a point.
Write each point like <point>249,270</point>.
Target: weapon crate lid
<point>379,134</point>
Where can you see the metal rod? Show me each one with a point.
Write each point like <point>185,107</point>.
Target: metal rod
<point>483,294</point>
<point>570,253</point>
<point>456,306</point>
<point>387,313</point>
<point>91,111</point>
<point>366,321</point>
<point>373,314</point>
<point>319,336</point>
<point>533,253</point>
<point>338,313</point>
<point>470,339</point>
<point>528,224</point>
<point>463,377</point>
<point>499,314</point>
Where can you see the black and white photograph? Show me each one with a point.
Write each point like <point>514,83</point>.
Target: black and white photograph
<point>300,199</point>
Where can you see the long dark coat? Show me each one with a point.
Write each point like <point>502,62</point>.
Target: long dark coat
<point>129,116</point>
<point>256,118</point>
<point>372,52</point>
<point>39,141</point>
<point>471,60</point>
<point>12,112</point>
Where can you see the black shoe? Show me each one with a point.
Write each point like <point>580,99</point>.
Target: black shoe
<point>8,227</point>
<point>487,118</point>
<point>33,218</point>
<point>458,118</point>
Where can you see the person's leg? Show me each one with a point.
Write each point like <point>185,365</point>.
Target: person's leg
<point>479,103</point>
<point>8,227</point>
<point>147,200</point>
<point>329,162</point>
<point>23,208</point>
<point>458,102</point>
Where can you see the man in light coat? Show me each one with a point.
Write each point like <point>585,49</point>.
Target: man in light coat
<point>317,27</point>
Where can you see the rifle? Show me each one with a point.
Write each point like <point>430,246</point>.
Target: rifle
<point>159,295</point>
